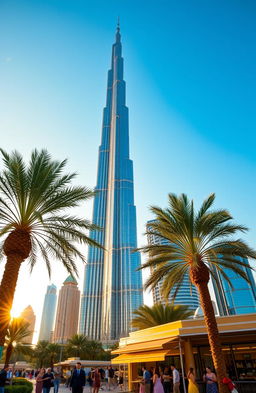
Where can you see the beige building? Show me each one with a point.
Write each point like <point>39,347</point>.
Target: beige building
<point>66,322</point>
<point>29,316</point>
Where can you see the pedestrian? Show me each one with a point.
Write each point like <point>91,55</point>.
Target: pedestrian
<point>3,378</point>
<point>57,380</point>
<point>158,386</point>
<point>146,379</point>
<point>121,378</point>
<point>111,380</point>
<point>96,381</point>
<point>166,380</point>
<point>47,381</point>
<point>192,386</point>
<point>77,380</point>
<point>90,380</point>
<point>175,379</point>
<point>231,387</point>
<point>39,380</point>
<point>211,381</point>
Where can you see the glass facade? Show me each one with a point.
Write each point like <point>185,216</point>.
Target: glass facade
<point>48,313</point>
<point>112,286</point>
<point>239,300</point>
<point>187,294</point>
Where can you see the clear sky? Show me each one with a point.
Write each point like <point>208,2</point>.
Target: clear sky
<point>191,92</point>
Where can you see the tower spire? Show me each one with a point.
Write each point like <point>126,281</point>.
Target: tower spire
<point>118,35</point>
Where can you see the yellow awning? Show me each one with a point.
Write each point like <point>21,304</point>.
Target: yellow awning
<point>149,356</point>
<point>154,344</point>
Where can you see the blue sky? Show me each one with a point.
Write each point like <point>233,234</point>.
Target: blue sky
<point>191,92</point>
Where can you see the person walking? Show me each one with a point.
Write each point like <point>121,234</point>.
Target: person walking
<point>192,386</point>
<point>111,379</point>
<point>158,386</point>
<point>175,379</point>
<point>3,378</point>
<point>166,380</point>
<point>146,379</point>
<point>211,381</point>
<point>39,380</point>
<point>77,380</point>
<point>57,380</point>
<point>96,381</point>
<point>47,381</point>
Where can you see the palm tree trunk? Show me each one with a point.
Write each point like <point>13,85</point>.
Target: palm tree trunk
<point>7,290</point>
<point>213,334</point>
<point>8,355</point>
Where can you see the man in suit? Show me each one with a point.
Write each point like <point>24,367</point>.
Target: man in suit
<point>77,381</point>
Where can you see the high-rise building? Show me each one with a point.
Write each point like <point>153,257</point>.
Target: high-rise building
<point>66,321</point>
<point>29,316</point>
<point>112,286</point>
<point>186,295</point>
<point>239,300</point>
<point>48,313</point>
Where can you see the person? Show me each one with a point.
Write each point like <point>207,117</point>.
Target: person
<point>175,379</point>
<point>158,386</point>
<point>96,381</point>
<point>3,378</point>
<point>146,379</point>
<point>192,386</point>
<point>166,380</point>
<point>121,378</point>
<point>47,381</point>
<point>231,387</point>
<point>57,380</point>
<point>90,380</point>
<point>210,379</point>
<point>67,377</point>
<point>111,380</point>
<point>77,380</point>
<point>39,380</point>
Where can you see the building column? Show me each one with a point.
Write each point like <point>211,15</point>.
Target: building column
<point>129,366</point>
<point>188,354</point>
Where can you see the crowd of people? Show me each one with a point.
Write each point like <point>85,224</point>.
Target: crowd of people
<point>167,380</point>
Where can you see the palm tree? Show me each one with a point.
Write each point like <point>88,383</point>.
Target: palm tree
<point>40,353</point>
<point>76,345</point>
<point>199,244</point>
<point>53,350</point>
<point>159,314</point>
<point>17,331</point>
<point>34,219</point>
<point>95,350</point>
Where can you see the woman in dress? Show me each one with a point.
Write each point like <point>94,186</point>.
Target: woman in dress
<point>121,378</point>
<point>39,380</point>
<point>166,377</point>
<point>192,386</point>
<point>211,381</point>
<point>158,386</point>
<point>96,381</point>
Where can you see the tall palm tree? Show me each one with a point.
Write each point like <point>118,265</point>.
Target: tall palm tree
<point>35,200</point>
<point>197,242</point>
<point>40,353</point>
<point>76,345</point>
<point>159,314</point>
<point>17,331</point>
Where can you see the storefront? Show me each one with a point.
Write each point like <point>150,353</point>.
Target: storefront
<point>185,344</point>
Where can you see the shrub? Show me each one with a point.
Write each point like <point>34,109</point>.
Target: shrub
<point>19,385</point>
<point>21,381</point>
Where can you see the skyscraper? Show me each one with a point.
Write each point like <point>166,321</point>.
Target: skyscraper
<point>66,321</point>
<point>239,300</point>
<point>187,294</point>
<point>48,313</point>
<point>112,286</point>
<point>29,316</point>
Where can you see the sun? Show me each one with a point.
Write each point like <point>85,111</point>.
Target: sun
<point>14,313</point>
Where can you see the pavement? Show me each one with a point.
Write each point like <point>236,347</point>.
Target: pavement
<point>64,389</point>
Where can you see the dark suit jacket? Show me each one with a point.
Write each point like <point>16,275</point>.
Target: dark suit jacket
<point>77,380</point>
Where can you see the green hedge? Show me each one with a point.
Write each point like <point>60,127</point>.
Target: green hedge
<point>19,385</point>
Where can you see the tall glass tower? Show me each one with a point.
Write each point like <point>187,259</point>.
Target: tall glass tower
<point>48,313</point>
<point>187,294</point>
<point>112,286</point>
<point>241,299</point>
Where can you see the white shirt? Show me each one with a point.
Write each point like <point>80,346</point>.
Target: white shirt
<point>176,376</point>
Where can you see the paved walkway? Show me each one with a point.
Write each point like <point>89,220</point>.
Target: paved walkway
<point>64,389</point>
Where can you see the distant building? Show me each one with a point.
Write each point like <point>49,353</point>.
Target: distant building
<point>66,321</point>
<point>48,313</point>
<point>29,316</point>
<point>187,294</point>
<point>239,300</point>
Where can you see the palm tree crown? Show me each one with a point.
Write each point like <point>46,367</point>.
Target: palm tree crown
<point>159,314</point>
<point>17,331</point>
<point>197,241</point>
